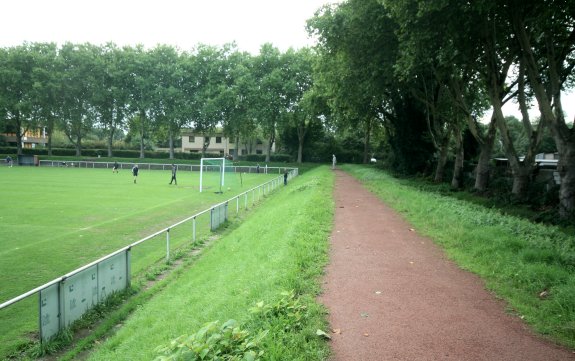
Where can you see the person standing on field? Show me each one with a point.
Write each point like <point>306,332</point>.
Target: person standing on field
<point>135,172</point>
<point>115,169</point>
<point>174,170</point>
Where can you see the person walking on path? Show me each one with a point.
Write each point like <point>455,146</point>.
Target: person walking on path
<point>135,171</point>
<point>333,161</point>
<point>394,295</point>
<point>174,170</point>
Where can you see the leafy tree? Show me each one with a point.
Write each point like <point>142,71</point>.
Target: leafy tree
<point>545,39</point>
<point>110,98</point>
<point>140,90</point>
<point>77,87</point>
<point>17,65</point>
<point>168,95</point>
<point>436,52</point>
<point>209,73</point>
<point>299,97</point>
<point>45,89</point>
<point>270,101</point>
<point>359,49</point>
<point>236,96</point>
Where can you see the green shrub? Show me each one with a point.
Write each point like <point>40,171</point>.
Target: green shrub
<point>213,342</point>
<point>262,158</point>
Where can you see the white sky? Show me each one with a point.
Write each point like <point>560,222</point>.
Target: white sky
<point>512,108</point>
<point>182,23</point>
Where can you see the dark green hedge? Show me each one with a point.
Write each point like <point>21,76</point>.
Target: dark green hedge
<point>285,158</point>
<point>120,153</point>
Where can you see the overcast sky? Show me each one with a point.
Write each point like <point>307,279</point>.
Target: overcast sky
<point>183,23</point>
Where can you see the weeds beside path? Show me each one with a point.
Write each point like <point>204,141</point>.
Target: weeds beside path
<point>393,295</point>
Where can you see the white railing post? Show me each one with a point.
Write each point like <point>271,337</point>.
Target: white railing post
<point>168,245</point>
<point>194,229</point>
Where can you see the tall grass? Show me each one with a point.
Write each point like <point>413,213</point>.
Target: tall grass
<point>531,266</point>
<point>281,246</point>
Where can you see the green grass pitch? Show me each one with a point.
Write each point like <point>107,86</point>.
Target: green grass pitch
<point>54,220</point>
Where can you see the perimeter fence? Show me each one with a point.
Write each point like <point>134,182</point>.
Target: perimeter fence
<point>67,298</point>
<point>162,166</point>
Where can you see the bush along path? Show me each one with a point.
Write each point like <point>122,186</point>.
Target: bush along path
<point>393,294</point>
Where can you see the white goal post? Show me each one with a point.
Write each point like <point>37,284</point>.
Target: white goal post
<point>214,162</point>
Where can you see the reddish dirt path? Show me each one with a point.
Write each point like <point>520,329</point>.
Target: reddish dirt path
<point>394,295</point>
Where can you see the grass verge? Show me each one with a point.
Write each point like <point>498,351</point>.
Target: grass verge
<point>531,266</point>
<point>282,246</point>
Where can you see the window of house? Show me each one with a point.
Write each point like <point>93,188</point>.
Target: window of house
<point>206,139</point>
<point>231,141</point>
<point>191,139</point>
<point>259,151</point>
<point>259,141</point>
<point>221,152</point>
<point>218,139</point>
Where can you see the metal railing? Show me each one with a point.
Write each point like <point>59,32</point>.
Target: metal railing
<point>161,166</point>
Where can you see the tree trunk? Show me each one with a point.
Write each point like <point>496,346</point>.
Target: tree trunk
<point>49,131</point>
<point>205,145</point>
<point>495,96</point>
<point>457,179</point>
<point>237,149</point>
<point>110,142</point>
<point>142,132</point>
<point>301,131</point>
<point>520,170</point>
<point>521,181</point>
<point>566,168</point>
<point>366,141</point>
<point>19,133</point>
<point>300,153</point>
<point>271,142</point>
<point>78,145</point>
<point>563,135</point>
<point>442,160</point>
<point>483,163</point>
<point>171,143</point>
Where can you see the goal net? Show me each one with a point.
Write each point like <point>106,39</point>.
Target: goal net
<point>217,174</point>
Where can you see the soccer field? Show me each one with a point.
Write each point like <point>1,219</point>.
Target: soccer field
<point>54,220</point>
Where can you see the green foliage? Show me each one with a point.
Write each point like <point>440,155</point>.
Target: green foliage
<point>227,342</point>
<point>262,158</point>
<point>283,318</point>
<point>289,312</point>
<point>119,153</point>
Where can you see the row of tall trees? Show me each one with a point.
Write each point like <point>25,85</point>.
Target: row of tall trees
<point>80,87</point>
<point>427,71</point>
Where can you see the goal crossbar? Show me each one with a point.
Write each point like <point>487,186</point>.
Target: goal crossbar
<point>222,169</point>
